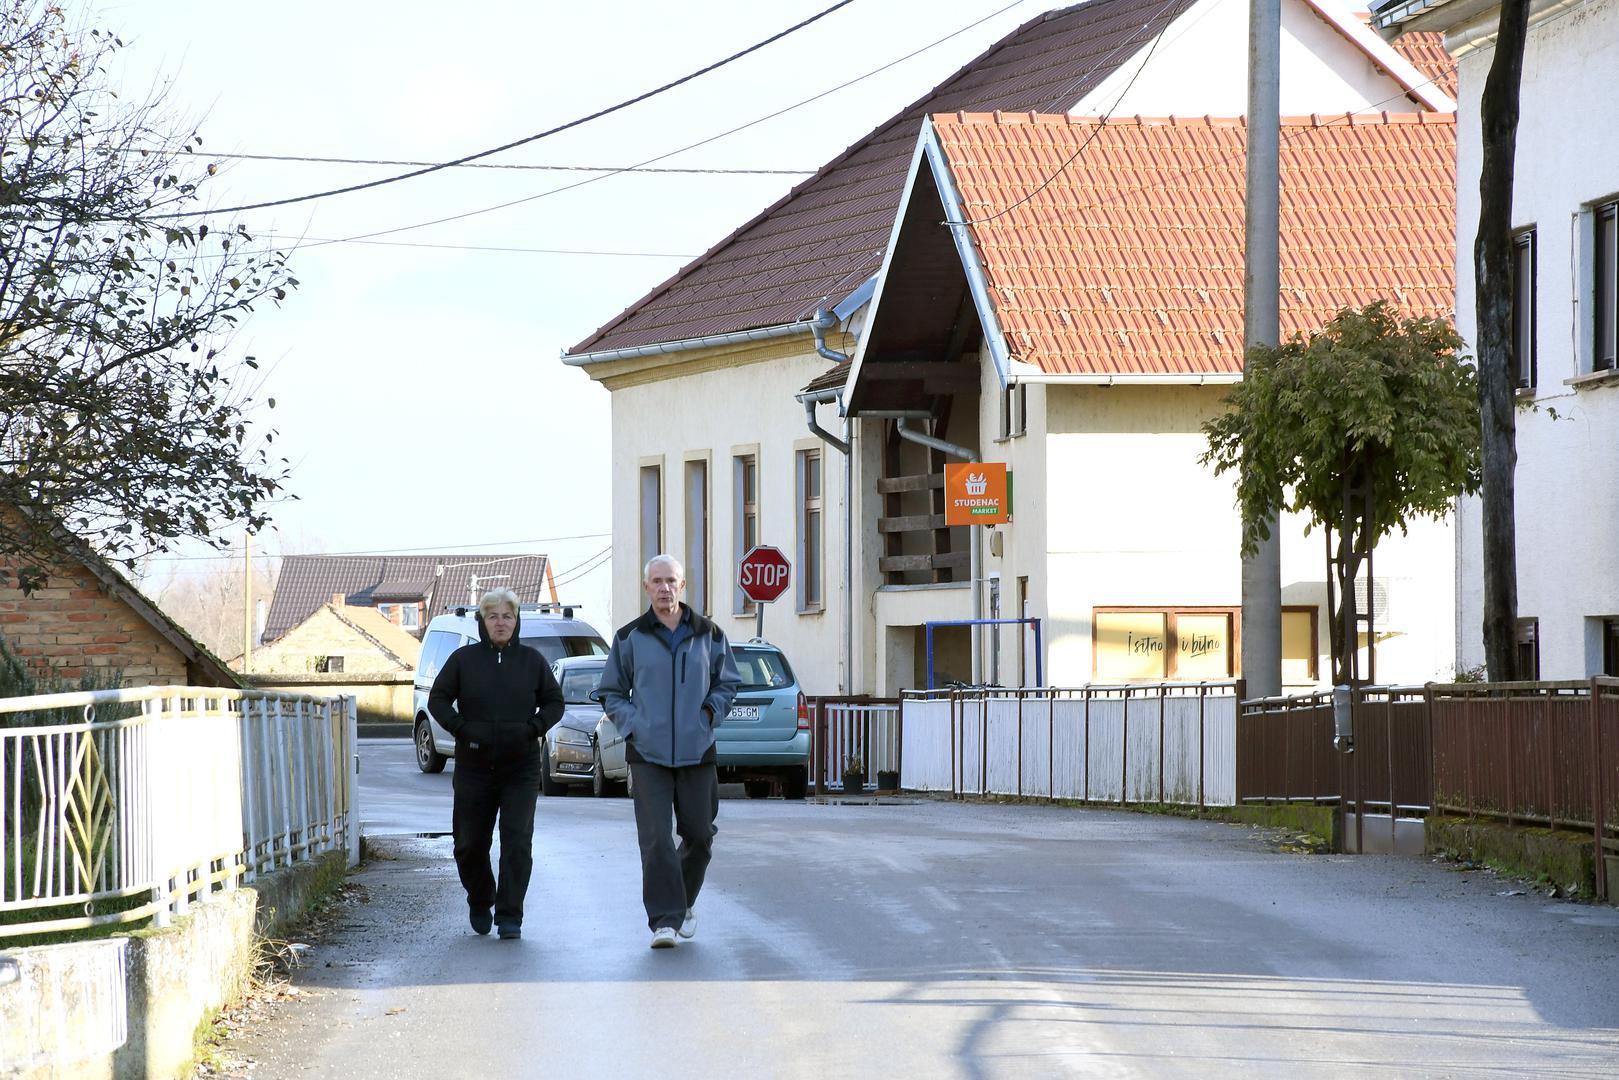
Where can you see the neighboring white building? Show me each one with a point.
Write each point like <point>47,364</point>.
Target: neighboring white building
<point>711,448</point>
<point>1565,219</point>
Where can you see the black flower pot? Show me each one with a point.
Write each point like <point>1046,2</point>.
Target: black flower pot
<point>854,783</point>
<point>887,779</point>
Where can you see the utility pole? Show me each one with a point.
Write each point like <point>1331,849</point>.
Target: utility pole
<point>1262,571</point>
<point>247,602</point>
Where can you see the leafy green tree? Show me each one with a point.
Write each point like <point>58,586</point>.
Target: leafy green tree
<point>123,414</point>
<point>1371,422</point>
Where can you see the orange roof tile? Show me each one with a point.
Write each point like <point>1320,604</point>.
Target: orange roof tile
<point>1130,260</point>
<point>1427,54</point>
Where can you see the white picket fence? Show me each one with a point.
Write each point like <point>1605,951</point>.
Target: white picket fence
<point>198,790</point>
<point>1140,743</point>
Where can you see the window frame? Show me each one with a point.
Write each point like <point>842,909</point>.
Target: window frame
<point>699,586</point>
<point>744,513</point>
<point>1526,635</point>
<point>1525,246</point>
<point>652,467</point>
<point>1604,294</point>
<point>811,565</point>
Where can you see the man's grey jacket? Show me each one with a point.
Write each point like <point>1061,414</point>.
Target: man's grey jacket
<point>667,701</point>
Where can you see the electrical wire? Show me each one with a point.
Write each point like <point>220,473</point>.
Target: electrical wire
<point>434,549</point>
<point>640,166</point>
<point>568,126</point>
<point>307,159</point>
<point>588,567</point>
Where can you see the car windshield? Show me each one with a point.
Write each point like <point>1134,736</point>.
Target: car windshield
<point>762,669</point>
<point>578,681</point>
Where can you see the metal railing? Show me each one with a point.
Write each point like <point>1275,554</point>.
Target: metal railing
<point>200,789</point>
<point>866,728</point>
<point>1155,743</point>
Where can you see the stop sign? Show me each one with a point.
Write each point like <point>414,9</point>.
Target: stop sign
<point>763,574</point>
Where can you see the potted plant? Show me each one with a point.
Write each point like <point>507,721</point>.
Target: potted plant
<point>854,776</point>
<point>887,779</point>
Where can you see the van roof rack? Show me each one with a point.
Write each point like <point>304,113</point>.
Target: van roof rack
<point>542,606</point>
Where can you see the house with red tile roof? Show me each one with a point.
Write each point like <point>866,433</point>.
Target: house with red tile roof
<point>724,378</point>
<point>1063,297</point>
<point>1565,232</point>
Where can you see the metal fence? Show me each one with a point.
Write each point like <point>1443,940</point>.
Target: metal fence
<point>1139,743</point>
<point>139,815</point>
<point>1544,753</point>
<point>845,728</point>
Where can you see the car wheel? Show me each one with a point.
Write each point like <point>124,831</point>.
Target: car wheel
<point>629,782</point>
<point>599,786</point>
<point>428,759</point>
<point>794,782</point>
<point>548,786</point>
<point>757,789</point>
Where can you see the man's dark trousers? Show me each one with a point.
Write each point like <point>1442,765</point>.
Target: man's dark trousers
<point>670,878</point>
<point>482,791</point>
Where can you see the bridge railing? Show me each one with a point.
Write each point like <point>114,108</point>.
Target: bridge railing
<point>126,805</point>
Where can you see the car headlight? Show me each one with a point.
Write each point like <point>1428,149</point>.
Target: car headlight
<point>573,737</point>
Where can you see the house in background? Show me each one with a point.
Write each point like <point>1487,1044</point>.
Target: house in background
<point>406,590</point>
<point>1082,337</point>
<point>721,376</point>
<point>339,639</point>
<point>86,620</point>
<point>1565,222</point>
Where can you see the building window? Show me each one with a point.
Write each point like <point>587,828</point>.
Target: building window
<point>329,665</point>
<point>744,517</point>
<point>1523,306</point>
<point>408,616</point>
<point>1605,282</point>
<point>697,536</point>
<point>810,534</point>
<point>651,512</point>
<point>1610,647</point>
<point>1528,649</point>
<point>1014,410</point>
<point>1300,646</point>
<point>1131,644</point>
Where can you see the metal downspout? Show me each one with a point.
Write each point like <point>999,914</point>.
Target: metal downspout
<point>822,323</point>
<point>974,547</point>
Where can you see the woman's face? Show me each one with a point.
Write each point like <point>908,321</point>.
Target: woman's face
<point>500,622</point>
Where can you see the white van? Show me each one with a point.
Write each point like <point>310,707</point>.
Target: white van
<point>549,628</point>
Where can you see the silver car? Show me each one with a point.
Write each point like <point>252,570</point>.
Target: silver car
<point>570,755</point>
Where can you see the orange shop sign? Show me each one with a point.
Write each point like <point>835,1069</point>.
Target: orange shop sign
<point>975,494</point>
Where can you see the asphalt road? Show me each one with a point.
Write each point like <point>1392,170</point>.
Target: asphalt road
<point>934,939</point>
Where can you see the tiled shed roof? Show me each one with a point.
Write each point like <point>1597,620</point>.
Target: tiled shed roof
<point>1131,260</point>
<point>827,235</point>
<point>308,581</point>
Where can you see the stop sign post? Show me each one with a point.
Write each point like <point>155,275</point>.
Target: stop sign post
<point>763,575</point>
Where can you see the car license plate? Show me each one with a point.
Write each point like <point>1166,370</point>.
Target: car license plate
<point>743,712</point>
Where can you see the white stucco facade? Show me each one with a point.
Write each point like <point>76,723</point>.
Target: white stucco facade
<point>707,408</point>
<point>1567,501</point>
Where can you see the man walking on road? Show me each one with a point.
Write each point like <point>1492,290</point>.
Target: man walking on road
<point>669,681</point>
<point>497,697</point>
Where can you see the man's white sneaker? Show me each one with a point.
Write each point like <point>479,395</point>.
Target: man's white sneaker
<point>663,937</point>
<point>688,925</point>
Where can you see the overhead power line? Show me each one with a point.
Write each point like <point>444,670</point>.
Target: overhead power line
<point>433,549</point>
<point>571,124</point>
<point>308,159</point>
<point>640,166</point>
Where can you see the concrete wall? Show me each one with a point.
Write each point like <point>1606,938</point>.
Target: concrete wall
<point>713,406</point>
<point>72,625</point>
<point>1567,501</point>
<point>129,1007</point>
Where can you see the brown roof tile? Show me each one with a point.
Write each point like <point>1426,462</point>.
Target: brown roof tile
<point>1131,259</point>
<point>819,242</point>
<point>1427,54</point>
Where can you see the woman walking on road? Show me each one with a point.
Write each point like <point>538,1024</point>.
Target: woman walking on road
<point>498,698</point>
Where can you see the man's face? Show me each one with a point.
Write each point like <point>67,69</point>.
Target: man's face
<point>663,587</point>
<point>500,624</point>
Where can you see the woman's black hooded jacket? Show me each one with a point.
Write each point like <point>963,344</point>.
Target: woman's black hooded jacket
<point>496,700</point>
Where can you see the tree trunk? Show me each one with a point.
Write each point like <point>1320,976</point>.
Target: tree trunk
<point>1497,381</point>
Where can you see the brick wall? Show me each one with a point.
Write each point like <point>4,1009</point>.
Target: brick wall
<point>72,624</point>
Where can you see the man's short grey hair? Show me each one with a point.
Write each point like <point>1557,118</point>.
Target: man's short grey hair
<point>674,563</point>
<point>494,598</point>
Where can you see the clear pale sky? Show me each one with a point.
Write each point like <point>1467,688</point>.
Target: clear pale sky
<point>419,394</point>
